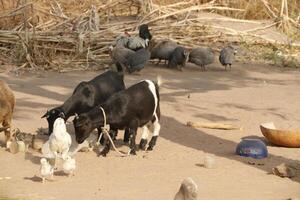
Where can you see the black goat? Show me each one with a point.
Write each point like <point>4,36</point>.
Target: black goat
<point>86,96</point>
<point>137,106</point>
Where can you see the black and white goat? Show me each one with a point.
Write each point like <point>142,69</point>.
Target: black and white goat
<point>137,106</point>
<point>86,96</point>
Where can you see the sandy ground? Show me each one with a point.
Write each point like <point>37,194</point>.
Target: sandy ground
<point>248,95</point>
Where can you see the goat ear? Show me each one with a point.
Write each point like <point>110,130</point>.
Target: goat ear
<point>46,115</point>
<point>89,93</point>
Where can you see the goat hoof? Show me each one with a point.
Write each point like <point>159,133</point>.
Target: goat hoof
<point>132,152</point>
<point>143,144</point>
<point>150,148</point>
<point>104,152</point>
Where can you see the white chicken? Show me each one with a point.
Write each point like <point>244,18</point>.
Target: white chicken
<point>60,140</point>
<point>46,169</point>
<point>69,165</point>
<point>47,153</point>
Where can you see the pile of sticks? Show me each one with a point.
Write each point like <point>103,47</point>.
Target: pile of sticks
<point>64,42</point>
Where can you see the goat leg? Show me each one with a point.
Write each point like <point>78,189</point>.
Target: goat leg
<point>7,130</point>
<point>99,134</point>
<point>144,138</point>
<point>126,136</point>
<point>107,143</point>
<point>132,143</point>
<point>153,140</point>
<point>114,134</point>
<point>179,68</point>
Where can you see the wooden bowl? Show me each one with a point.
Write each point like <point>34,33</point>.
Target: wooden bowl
<point>284,138</point>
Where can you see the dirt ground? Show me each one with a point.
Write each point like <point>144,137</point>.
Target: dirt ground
<point>248,95</point>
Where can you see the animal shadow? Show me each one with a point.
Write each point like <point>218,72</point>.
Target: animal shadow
<point>35,178</point>
<point>199,165</point>
<point>60,173</point>
<point>34,159</point>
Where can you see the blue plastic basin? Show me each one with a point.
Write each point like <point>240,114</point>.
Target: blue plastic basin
<point>254,148</point>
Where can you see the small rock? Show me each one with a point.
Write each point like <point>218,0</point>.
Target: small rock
<point>253,161</point>
<point>209,162</point>
<point>187,191</point>
<point>283,170</point>
<point>85,149</point>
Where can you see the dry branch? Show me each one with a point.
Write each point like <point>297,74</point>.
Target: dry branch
<point>212,125</point>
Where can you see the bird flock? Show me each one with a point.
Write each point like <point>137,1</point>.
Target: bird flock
<point>132,53</point>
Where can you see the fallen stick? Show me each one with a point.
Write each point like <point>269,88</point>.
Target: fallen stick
<point>213,125</point>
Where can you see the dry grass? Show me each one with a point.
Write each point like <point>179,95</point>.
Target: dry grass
<point>76,33</point>
<point>254,9</point>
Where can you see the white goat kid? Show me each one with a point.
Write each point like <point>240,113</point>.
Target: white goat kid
<point>60,140</point>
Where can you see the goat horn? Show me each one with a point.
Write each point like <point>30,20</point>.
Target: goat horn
<point>46,114</point>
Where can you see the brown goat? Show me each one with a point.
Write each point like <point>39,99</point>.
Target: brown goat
<point>7,104</point>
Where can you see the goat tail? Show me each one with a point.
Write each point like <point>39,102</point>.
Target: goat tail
<point>159,80</point>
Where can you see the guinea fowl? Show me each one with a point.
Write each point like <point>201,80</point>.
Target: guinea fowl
<point>120,54</point>
<point>162,50</point>
<point>202,56</point>
<point>138,60</point>
<point>227,55</point>
<point>136,42</point>
<point>178,58</point>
